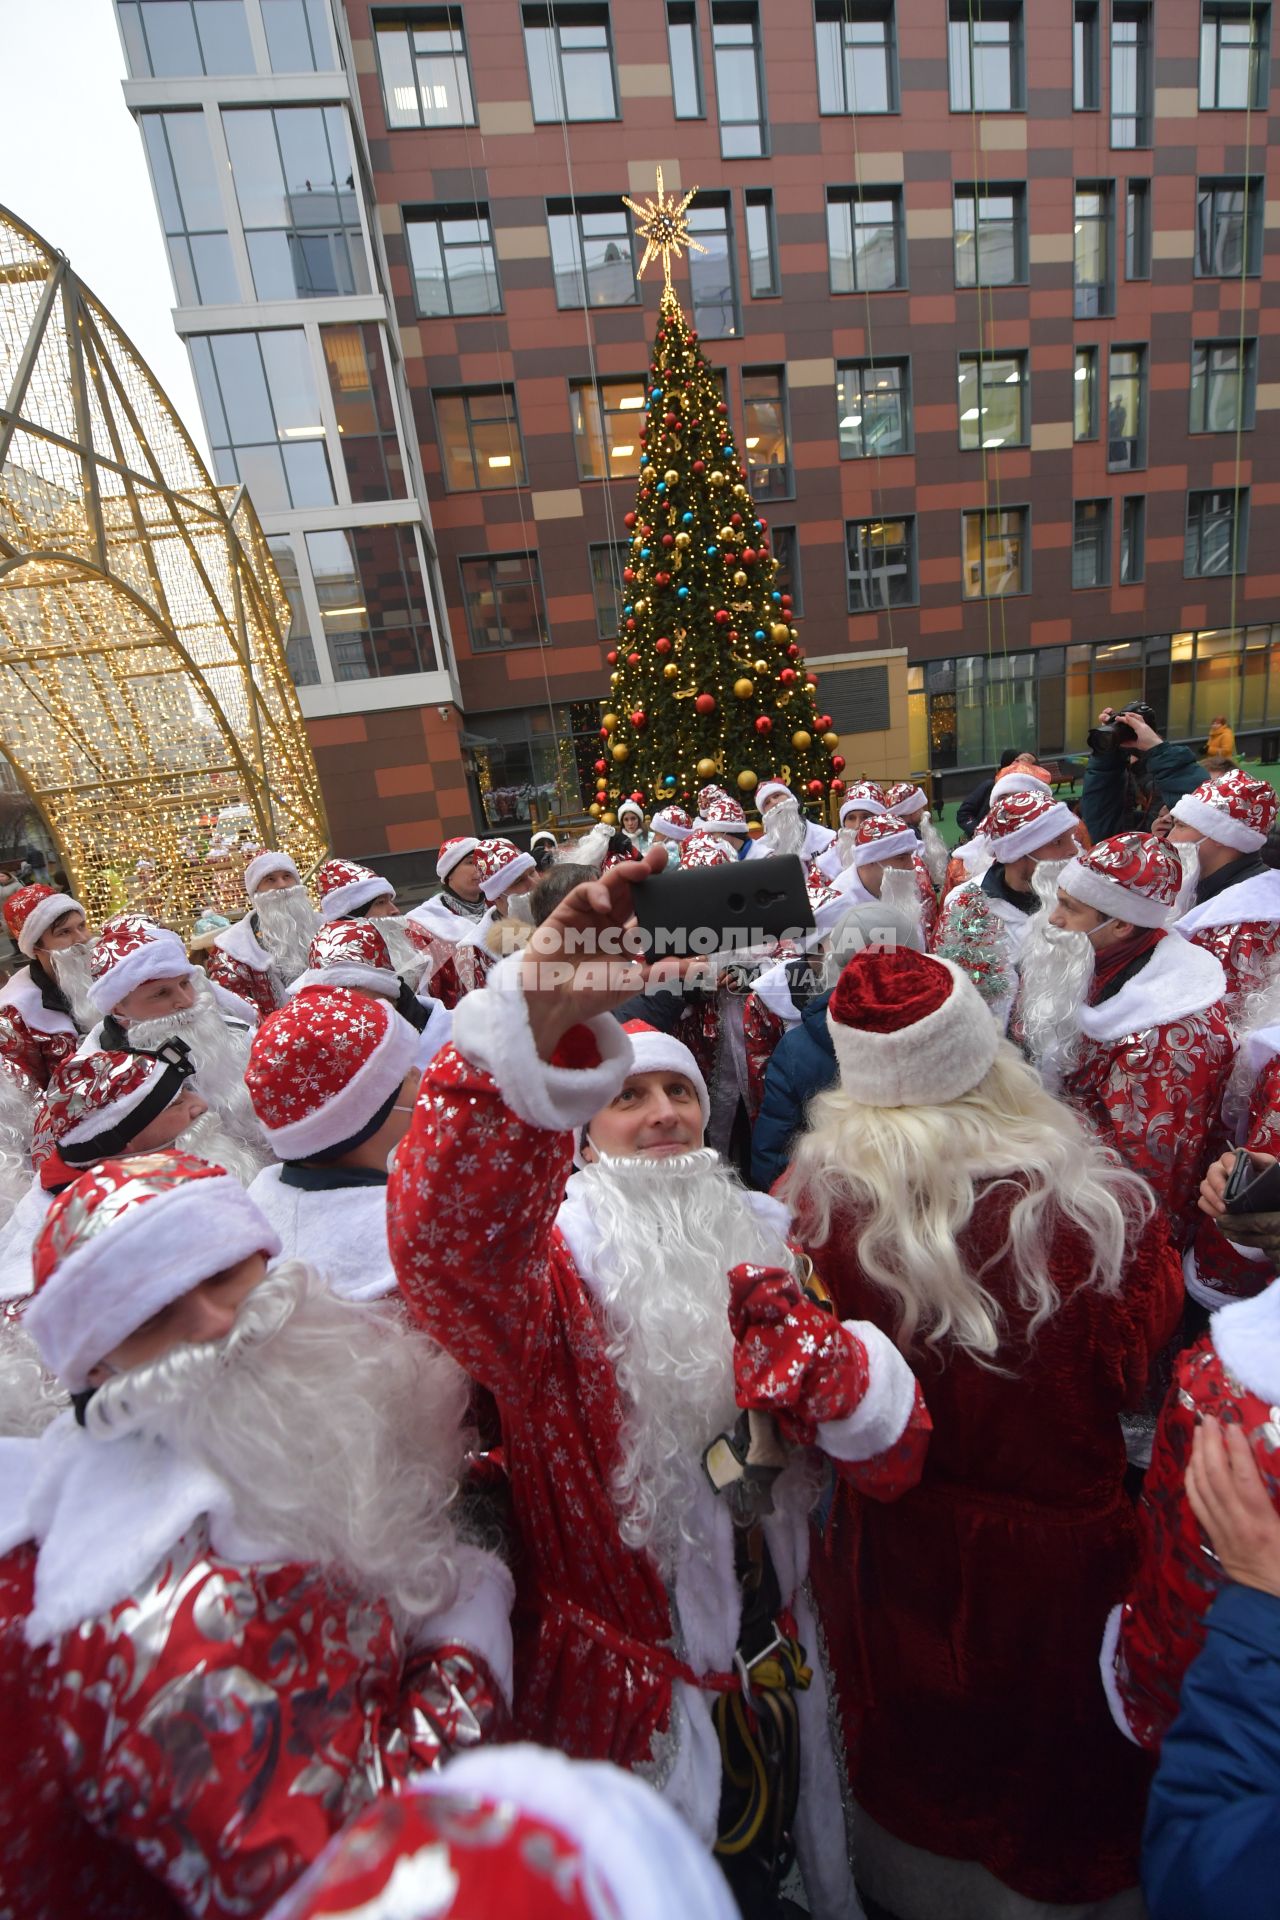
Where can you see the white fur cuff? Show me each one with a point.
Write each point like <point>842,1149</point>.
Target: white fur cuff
<point>480,1617</point>
<point>880,1418</point>
<point>491,1029</point>
<point>1107,1668</point>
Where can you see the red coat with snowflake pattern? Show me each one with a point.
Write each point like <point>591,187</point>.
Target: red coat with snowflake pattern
<point>1221,1270</point>
<point>250,983</point>
<point>35,1037</point>
<point>193,1750</point>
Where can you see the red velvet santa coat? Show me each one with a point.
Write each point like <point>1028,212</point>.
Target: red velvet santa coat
<point>1233,1374</point>
<point>1151,1069</point>
<point>966,1671</point>
<point>1216,1270</point>
<point>498,1270</point>
<point>238,961</point>
<point>37,1038</point>
<point>190,1750</point>
<point>1241,927</point>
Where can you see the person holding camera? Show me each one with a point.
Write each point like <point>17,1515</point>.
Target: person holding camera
<point>1133,774</point>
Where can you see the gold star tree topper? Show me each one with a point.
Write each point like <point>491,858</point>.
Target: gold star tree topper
<point>662,226</point>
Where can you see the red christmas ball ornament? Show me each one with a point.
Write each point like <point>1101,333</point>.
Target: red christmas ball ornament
<point>612,657</point>
<point>631,626</point>
<point>695,423</point>
<point>721,616</point>
<point>705,703</point>
<point>786,599</point>
<point>600,766</point>
<point>671,420</point>
<point>823,723</point>
<point>764,724</point>
<point>639,719</point>
<point>748,556</point>
<point>662,579</point>
<point>837,786</point>
<point>735,519</point>
<point>793,651</point>
<point>837,761</point>
<point>721,407</point>
<point>633,659</point>
<point>692,334</point>
<point>668,539</point>
<point>699,466</point>
<point>643,434</point>
<point>761,523</point>
<point>787,676</point>
<point>647,532</point>
<point>628,519</point>
<point>638,797</point>
<point>733,634</point>
<point>662,644</point>
<point>815,787</point>
<point>628,574</point>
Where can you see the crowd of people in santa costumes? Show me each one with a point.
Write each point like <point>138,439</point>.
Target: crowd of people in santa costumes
<point>769,1406</point>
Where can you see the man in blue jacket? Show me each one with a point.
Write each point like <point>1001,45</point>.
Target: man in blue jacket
<point>1211,1850</point>
<point>1127,787</point>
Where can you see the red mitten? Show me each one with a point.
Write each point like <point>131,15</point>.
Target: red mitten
<point>791,1357</point>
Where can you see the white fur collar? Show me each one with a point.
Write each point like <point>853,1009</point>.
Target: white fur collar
<point>475,933</point>
<point>341,1231</point>
<point>243,944</point>
<point>1179,980</point>
<point>577,1226</point>
<point>773,987</point>
<point>1246,1336</point>
<point>1257,898</point>
<point>441,919</point>
<point>848,884</point>
<point>1258,1048</point>
<point>23,995</point>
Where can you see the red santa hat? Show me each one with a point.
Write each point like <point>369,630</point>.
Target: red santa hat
<point>904,798</point>
<point>656,1052</point>
<point>324,1071</point>
<point>768,788</point>
<point>1019,781</point>
<point>96,1103</point>
<point>673,823</point>
<point>353,954</point>
<point>130,951</point>
<point>31,911</point>
<point>826,905</point>
<point>453,853</point>
<point>268,860</point>
<point>1019,823</point>
<point>499,864</point>
<point>126,1239</point>
<point>864,796</point>
<point>1132,877</point>
<point>347,888</point>
<point>718,812</point>
<point>881,838</point>
<point>704,849</point>
<point>909,1030</point>
<point>1237,810</point>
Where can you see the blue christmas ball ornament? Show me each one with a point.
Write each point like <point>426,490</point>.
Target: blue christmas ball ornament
<point>759,633</point>
<point>655,393</point>
<point>644,459</point>
<point>727,452</point>
<point>682,593</point>
<point>628,611</point>
<point>712,552</point>
<point>644,554</point>
<point>668,779</point>
<point>662,486</point>
<point>776,599</point>
<point>686,519</point>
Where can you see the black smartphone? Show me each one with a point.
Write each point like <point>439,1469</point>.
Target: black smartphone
<point>1248,1191</point>
<point>703,910</point>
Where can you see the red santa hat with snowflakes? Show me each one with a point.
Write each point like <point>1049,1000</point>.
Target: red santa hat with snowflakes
<point>909,1030</point>
<point>130,951</point>
<point>1131,877</point>
<point>499,864</point>
<point>31,911</point>
<point>324,1072</point>
<point>126,1239</point>
<point>268,860</point>
<point>346,889</point>
<point>97,1103</point>
<point>1235,809</point>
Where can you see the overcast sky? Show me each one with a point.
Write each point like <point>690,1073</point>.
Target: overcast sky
<point>72,167</point>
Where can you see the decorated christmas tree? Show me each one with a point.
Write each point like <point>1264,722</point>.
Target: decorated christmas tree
<point>708,681</point>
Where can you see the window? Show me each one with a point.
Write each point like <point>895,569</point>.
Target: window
<point>1223,383</point>
<point>362,403</point>
<point>263,414</point>
<point>1127,409</point>
<point>1217,531</point>
<point>479,434</point>
<point>865,239</point>
<point>1086,393</point>
<point>1229,226</point>
<point>293,176</point>
<point>1133,539</point>
<point>881,564</point>
<point>1084,66</point>
<point>607,417</point>
<point>167,38</point>
<point>762,252</point>
<point>1130,74</point>
<point>426,81</point>
<point>195,227</point>
<point>857,63</point>
<point>373,602</point>
<point>995,552</point>
<point>764,411</point>
<point>570,62</point>
<point>990,225</point>
<point>984,46</point>
<point>300,655</point>
<point>591,253</point>
<point>452,259</point>
<point>786,551</point>
<point>298,37</point>
<point>735,41</point>
<point>873,408</point>
<point>1090,556</point>
<point>993,400</point>
<point>712,278</point>
<point>1234,54</point>
<point>607,562</point>
<point>1137,230</point>
<point>503,595</point>
<point>1092,248</point>
<point>686,61</point>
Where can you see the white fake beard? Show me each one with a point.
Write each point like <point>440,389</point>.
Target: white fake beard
<point>900,888</point>
<point>287,924</point>
<point>70,968</point>
<point>413,965</point>
<point>937,855</point>
<point>221,1056</point>
<point>785,827</point>
<point>338,1428</point>
<point>30,1397</point>
<point>670,1229</point>
<point>844,846</point>
<point>1056,968</point>
<point>1188,852</point>
<point>210,1140</point>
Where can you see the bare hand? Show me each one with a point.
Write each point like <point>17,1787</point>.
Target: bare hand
<point>1229,1498</point>
<point>1214,1185</point>
<point>1163,824</point>
<point>1107,715</point>
<point>1147,737</point>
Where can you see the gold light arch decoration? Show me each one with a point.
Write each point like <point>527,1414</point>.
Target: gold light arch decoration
<point>144,694</point>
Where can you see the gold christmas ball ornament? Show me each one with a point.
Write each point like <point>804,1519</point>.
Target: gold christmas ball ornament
<point>683,540</point>
<point>610,819</point>
<point>740,491</point>
<point>831,739</point>
<point>726,532</point>
<point>744,688</point>
<point>641,606</point>
<point>779,632</point>
<point>621,751</point>
<point>739,578</point>
<point>595,809</point>
<point>671,477</point>
<point>670,671</point>
<point>716,477</point>
<point>705,769</point>
<point>761,666</point>
<point>609,722</point>
<point>800,740</point>
<point>747,779</point>
<point>614,679</point>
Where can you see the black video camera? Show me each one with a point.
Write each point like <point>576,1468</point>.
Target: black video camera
<point>1117,733</point>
